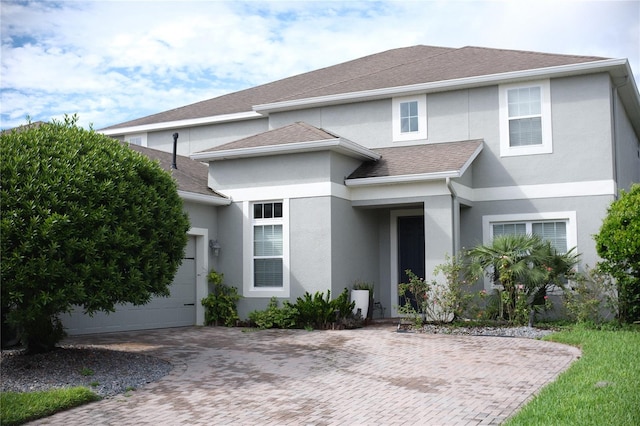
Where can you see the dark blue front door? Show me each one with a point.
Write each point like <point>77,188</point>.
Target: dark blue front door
<point>410,248</point>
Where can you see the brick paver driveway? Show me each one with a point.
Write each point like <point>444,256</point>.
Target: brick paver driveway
<point>370,376</point>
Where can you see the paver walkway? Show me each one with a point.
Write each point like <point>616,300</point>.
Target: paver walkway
<point>369,376</point>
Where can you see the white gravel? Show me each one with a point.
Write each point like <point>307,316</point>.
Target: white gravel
<point>105,372</point>
<point>526,332</point>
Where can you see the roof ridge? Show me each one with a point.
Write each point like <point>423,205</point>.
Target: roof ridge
<point>532,52</point>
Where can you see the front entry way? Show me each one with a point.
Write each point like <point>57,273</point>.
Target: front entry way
<point>410,248</point>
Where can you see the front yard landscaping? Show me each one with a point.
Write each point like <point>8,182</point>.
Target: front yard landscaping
<point>600,388</point>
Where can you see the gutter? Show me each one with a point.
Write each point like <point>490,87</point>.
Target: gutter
<point>177,124</point>
<point>204,199</point>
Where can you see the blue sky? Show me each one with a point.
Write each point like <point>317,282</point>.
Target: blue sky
<point>113,61</point>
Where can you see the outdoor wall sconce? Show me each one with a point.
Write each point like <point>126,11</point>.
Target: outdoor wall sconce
<point>215,246</point>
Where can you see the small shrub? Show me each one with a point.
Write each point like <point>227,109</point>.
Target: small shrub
<point>275,317</point>
<point>220,305</point>
<point>591,298</point>
<point>309,312</point>
<point>435,301</point>
<point>315,311</point>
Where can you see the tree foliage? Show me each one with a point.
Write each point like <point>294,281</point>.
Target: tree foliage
<point>618,243</point>
<point>85,221</point>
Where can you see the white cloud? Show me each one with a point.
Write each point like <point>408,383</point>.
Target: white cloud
<point>112,61</point>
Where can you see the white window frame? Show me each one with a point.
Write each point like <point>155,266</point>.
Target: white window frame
<point>249,290</point>
<point>546,147</point>
<point>567,216</point>
<point>421,133</point>
<point>134,139</point>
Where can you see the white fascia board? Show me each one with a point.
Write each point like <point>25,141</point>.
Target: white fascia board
<point>215,119</point>
<point>471,158</point>
<point>204,199</point>
<point>436,86</point>
<point>338,144</point>
<point>391,180</point>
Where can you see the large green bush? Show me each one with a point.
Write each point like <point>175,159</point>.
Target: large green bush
<point>618,243</point>
<point>85,221</point>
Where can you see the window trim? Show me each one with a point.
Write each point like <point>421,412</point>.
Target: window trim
<point>398,135</point>
<point>568,216</point>
<point>249,290</point>
<point>546,147</point>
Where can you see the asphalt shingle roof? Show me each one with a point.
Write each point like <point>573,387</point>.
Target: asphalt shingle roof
<point>293,133</point>
<point>418,159</point>
<point>392,68</point>
<point>191,175</point>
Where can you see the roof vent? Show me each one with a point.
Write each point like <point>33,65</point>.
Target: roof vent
<point>174,165</point>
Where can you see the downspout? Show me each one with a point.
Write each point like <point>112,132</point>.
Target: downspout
<point>454,195</point>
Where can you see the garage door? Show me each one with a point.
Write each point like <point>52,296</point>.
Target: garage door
<point>177,310</point>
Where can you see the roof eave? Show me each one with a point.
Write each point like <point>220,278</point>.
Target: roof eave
<point>338,144</point>
<point>215,119</point>
<point>204,199</point>
<point>400,179</point>
<point>608,65</point>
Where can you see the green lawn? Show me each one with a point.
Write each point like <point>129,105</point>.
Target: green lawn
<point>17,408</point>
<point>601,388</point>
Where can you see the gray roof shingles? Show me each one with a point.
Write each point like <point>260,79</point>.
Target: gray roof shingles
<point>392,68</point>
<point>191,175</point>
<point>418,159</point>
<point>292,133</point>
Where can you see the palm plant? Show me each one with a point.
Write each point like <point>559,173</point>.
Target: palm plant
<point>525,266</point>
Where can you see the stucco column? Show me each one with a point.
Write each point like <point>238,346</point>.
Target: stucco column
<point>438,231</point>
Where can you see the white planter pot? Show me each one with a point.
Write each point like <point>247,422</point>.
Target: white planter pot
<point>361,297</point>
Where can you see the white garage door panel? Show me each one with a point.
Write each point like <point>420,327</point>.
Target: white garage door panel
<point>177,310</point>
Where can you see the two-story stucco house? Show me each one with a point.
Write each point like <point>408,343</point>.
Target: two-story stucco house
<point>390,162</point>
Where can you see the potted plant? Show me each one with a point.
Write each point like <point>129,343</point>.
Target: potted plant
<point>362,295</point>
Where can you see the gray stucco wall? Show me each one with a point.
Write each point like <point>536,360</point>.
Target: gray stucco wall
<point>581,136</point>
<point>200,138</point>
<point>365,123</point>
<point>627,148</point>
<point>354,246</point>
<point>310,250</point>
<point>204,216</point>
<point>589,214</point>
<point>230,234</point>
<point>271,170</point>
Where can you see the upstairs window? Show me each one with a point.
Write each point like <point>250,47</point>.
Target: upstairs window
<point>525,116</point>
<point>525,119</point>
<point>139,139</point>
<point>409,118</point>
